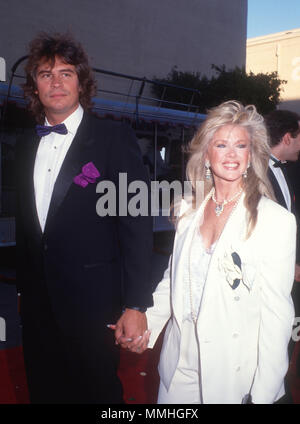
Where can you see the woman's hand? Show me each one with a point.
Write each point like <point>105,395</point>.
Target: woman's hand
<point>138,344</point>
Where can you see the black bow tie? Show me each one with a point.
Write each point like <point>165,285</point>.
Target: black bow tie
<point>278,163</point>
<point>43,130</point>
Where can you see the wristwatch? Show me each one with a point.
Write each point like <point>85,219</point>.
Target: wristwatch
<point>141,309</point>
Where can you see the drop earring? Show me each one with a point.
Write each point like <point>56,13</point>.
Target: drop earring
<point>207,171</point>
<point>245,173</point>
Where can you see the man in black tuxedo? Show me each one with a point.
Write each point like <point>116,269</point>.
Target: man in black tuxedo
<point>77,271</point>
<point>284,135</point>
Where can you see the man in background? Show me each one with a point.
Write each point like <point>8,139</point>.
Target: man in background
<point>284,132</point>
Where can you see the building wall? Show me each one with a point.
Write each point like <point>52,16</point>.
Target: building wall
<point>138,37</point>
<point>278,52</point>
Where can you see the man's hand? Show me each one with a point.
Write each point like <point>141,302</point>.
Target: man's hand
<point>130,329</point>
<point>297,273</point>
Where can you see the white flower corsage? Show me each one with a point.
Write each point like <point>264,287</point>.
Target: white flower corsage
<point>230,265</point>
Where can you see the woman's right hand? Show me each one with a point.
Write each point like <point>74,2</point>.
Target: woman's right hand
<point>140,344</point>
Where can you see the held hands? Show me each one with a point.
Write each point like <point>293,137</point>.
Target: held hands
<point>131,331</point>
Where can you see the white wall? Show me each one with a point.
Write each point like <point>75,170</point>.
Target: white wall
<point>279,53</point>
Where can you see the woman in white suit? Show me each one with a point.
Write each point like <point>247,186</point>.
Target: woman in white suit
<point>226,293</point>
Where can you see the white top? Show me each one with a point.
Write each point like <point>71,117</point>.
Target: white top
<point>49,158</point>
<point>195,275</point>
<point>282,182</point>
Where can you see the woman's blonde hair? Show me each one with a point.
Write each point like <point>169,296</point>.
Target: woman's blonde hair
<point>257,183</point>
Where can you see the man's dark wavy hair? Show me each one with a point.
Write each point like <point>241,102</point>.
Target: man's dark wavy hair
<point>279,122</point>
<point>44,48</point>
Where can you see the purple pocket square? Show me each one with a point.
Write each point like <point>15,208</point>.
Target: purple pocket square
<point>88,175</point>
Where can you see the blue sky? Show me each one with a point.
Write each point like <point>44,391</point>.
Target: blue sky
<point>270,16</point>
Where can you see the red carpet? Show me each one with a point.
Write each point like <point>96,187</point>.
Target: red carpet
<point>138,374</point>
<point>13,386</point>
<point>294,380</point>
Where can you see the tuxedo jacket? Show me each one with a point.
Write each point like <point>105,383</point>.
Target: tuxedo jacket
<point>277,190</point>
<point>242,332</point>
<point>281,200</point>
<point>87,267</point>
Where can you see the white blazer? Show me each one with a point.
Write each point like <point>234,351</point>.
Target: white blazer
<point>243,333</point>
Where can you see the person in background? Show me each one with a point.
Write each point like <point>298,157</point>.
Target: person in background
<point>226,293</point>
<point>284,134</point>
<point>77,271</point>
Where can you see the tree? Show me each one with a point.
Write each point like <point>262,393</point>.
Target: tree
<point>262,90</point>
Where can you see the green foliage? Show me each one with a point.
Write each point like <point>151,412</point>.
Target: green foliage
<point>262,90</point>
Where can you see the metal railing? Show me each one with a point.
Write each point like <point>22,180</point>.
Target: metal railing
<point>132,100</point>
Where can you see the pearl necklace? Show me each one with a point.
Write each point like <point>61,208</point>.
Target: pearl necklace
<point>210,195</point>
<point>220,206</point>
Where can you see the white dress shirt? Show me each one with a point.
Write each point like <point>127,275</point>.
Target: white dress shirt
<point>282,182</point>
<point>49,158</point>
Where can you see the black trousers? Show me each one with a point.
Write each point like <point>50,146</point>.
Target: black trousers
<point>68,369</point>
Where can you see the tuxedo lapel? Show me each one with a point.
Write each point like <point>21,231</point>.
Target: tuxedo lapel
<point>277,190</point>
<point>291,190</point>
<point>69,169</point>
<point>29,196</point>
